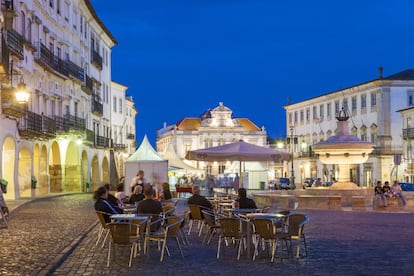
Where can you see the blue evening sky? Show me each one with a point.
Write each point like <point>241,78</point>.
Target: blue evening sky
<point>181,57</point>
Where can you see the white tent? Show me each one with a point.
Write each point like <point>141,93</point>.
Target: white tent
<point>147,159</point>
<point>175,161</point>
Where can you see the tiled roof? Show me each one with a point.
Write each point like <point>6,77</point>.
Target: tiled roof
<point>189,124</point>
<point>248,125</point>
<point>403,75</point>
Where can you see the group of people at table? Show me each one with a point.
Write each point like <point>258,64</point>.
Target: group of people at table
<point>147,200</point>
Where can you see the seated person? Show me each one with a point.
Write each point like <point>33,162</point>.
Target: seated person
<point>244,202</point>
<point>166,193</point>
<point>3,204</point>
<point>137,195</point>
<point>120,194</point>
<point>149,205</point>
<point>111,197</point>
<point>387,189</point>
<point>397,191</point>
<point>379,193</point>
<point>199,200</point>
<point>102,204</point>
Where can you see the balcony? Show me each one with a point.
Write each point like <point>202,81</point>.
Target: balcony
<point>4,65</point>
<point>90,136</point>
<point>47,59</point>
<point>97,107</point>
<point>119,147</point>
<point>70,123</point>
<point>76,71</point>
<point>15,42</point>
<point>9,104</point>
<point>36,126</point>
<point>87,85</point>
<point>96,60</point>
<point>408,133</point>
<point>103,142</point>
<point>130,136</point>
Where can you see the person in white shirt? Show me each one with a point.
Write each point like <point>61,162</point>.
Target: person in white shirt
<point>397,191</point>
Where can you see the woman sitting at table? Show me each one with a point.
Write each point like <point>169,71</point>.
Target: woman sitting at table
<point>103,205</point>
<point>166,193</point>
<point>244,202</point>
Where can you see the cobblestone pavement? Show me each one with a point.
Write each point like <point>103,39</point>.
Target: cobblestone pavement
<point>340,243</point>
<point>39,232</point>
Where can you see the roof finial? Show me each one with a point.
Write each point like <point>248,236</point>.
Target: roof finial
<point>380,69</point>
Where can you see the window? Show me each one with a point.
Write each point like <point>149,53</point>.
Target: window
<point>354,104</point>
<point>81,25</point>
<point>373,100</point>
<point>296,117</point>
<point>58,6</point>
<point>345,104</point>
<point>221,168</point>
<point>315,113</point>
<point>51,3</point>
<point>120,106</point>
<point>328,110</point>
<point>302,115</point>
<point>363,101</point>
<point>308,115</point>
<point>410,98</point>
<point>321,111</point>
<point>114,103</point>
<point>290,119</point>
<point>23,23</point>
<point>336,107</point>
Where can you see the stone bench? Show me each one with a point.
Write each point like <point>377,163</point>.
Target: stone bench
<point>359,203</point>
<point>319,202</point>
<point>393,203</point>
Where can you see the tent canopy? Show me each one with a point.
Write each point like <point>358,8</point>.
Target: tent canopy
<point>145,152</point>
<point>175,161</point>
<point>237,151</point>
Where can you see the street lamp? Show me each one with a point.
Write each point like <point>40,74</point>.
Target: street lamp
<point>293,141</point>
<point>10,95</point>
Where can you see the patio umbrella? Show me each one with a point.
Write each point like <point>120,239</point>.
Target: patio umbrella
<point>238,151</point>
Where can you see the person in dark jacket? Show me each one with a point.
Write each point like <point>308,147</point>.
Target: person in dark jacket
<point>102,203</point>
<point>198,199</point>
<point>137,195</point>
<point>244,201</point>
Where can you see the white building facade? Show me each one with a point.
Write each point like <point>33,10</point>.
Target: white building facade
<point>373,107</point>
<point>123,114</point>
<point>214,127</point>
<point>63,136</point>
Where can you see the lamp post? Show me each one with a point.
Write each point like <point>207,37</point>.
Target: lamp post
<point>20,92</point>
<point>293,141</point>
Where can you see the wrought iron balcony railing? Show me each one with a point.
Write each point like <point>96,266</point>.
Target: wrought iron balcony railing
<point>15,42</point>
<point>119,147</point>
<point>70,123</point>
<point>76,71</point>
<point>130,136</point>
<point>96,60</point>
<point>102,141</point>
<point>87,85</point>
<point>408,133</point>
<point>36,126</point>
<point>97,107</point>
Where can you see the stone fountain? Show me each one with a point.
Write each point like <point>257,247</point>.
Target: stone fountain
<point>343,149</point>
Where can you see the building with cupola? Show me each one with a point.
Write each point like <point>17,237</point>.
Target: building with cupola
<point>214,127</point>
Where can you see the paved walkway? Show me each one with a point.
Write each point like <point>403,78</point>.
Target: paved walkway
<point>57,236</point>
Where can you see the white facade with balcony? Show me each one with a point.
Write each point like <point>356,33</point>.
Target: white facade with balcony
<point>62,137</point>
<point>373,107</point>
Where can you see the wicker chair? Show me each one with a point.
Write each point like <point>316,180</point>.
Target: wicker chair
<point>296,231</point>
<point>103,229</point>
<point>121,236</point>
<point>211,220</point>
<point>196,215</point>
<point>170,230</point>
<point>230,230</point>
<point>266,230</point>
